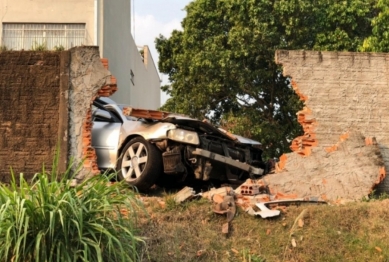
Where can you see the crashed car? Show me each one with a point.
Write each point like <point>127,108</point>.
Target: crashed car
<point>147,147</point>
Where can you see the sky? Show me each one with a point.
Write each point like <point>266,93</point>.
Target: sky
<point>150,18</point>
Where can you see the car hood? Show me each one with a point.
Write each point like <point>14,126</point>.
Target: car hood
<point>208,128</point>
<point>183,120</point>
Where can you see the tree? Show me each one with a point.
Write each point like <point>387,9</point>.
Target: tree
<point>379,39</point>
<point>221,65</point>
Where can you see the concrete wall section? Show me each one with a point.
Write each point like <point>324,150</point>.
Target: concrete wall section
<point>30,106</point>
<point>343,92</point>
<point>348,170</point>
<point>87,77</point>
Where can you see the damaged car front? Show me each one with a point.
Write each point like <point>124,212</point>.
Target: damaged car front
<point>147,146</point>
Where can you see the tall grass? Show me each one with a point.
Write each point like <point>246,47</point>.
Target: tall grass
<point>48,220</point>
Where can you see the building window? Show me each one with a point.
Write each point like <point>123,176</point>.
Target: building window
<point>132,77</point>
<point>17,36</point>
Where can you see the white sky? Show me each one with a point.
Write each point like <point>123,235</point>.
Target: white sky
<point>155,17</point>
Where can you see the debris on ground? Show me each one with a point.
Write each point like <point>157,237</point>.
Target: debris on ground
<point>222,191</point>
<point>184,194</point>
<point>264,211</point>
<point>226,207</point>
<point>253,197</point>
<point>252,187</point>
<point>223,201</point>
<point>269,196</point>
<point>349,170</point>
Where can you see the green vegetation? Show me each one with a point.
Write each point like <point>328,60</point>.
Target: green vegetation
<point>375,196</point>
<point>221,65</point>
<point>48,220</point>
<point>39,47</point>
<point>59,48</point>
<point>4,48</point>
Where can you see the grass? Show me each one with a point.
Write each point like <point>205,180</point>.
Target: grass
<point>47,220</point>
<point>353,232</point>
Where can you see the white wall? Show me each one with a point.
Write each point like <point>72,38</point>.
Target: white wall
<point>147,91</point>
<point>123,55</point>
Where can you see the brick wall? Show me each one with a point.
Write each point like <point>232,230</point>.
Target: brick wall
<point>30,106</point>
<point>344,93</point>
<point>45,101</point>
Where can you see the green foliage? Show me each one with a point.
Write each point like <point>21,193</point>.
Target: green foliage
<point>221,65</point>
<point>59,48</point>
<point>39,47</point>
<point>374,196</point>
<point>379,39</point>
<point>49,220</point>
<point>248,257</point>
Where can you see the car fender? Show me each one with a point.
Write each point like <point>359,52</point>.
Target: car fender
<point>149,131</point>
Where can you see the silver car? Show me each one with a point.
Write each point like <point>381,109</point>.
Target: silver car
<point>147,147</point>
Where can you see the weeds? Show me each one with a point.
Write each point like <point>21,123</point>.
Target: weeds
<point>39,46</point>
<point>374,196</point>
<point>59,48</point>
<point>248,257</point>
<point>4,48</point>
<point>171,203</point>
<point>48,220</point>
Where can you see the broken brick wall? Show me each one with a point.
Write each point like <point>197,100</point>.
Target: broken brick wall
<point>46,100</point>
<point>31,105</point>
<point>89,78</point>
<point>343,92</point>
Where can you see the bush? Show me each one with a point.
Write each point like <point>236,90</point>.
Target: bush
<point>47,220</point>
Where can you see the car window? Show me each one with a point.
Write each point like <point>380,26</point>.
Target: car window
<point>104,115</point>
<point>106,108</point>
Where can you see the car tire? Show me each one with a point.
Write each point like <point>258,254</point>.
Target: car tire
<point>140,163</point>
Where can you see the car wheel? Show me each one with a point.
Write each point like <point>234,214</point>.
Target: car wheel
<point>140,163</point>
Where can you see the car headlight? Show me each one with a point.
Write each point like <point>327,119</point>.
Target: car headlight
<point>184,136</point>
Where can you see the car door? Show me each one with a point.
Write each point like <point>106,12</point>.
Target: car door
<point>105,137</point>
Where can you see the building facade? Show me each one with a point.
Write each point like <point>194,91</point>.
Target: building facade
<point>62,24</point>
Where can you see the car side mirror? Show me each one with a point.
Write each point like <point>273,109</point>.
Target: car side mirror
<point>102,115</point>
